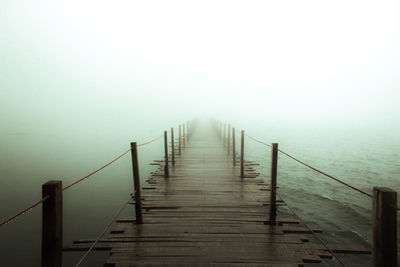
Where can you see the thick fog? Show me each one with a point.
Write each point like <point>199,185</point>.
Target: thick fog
<point>101,65</point>
<point>79,80</point>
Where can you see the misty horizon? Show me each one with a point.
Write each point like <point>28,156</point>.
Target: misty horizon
<point>80,80</point>
<point>305,63</point>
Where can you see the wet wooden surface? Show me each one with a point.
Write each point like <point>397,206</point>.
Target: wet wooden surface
<point>205,214</point>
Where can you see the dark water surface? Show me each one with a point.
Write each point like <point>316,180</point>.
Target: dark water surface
<point>361,157</point>
<point>29,159</point>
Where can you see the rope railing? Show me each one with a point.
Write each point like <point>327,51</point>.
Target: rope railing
<point>135,195</point>
<point>384,206</point>
<point>151,141</point>
<point>9,219</point>
<point>317,170</point>
<point>312,231</point>
<point>52,192</point>
<point>258,141</point>
<point>107,164</point>
<point>103,232</point>
<point>23,211</point>
<point>95,171</point>
<point>327,175</point>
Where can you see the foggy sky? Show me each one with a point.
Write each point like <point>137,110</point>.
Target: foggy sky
<point>90,62</point>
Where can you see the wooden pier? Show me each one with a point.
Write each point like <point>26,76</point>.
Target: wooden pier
<point>205,205</point>
<point>205,214</point>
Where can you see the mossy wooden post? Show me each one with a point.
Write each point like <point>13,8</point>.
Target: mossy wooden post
<point>136,183</point>
<point>184,137</point>
<point>180,141</point>
<point>220,130</point>
<point>233,147</point>
<point>52,224</point>
<point>172,146</point>
<point>229,139</point>
<point>242,155</point>
<point>384,227</point>
<point>166,169</point>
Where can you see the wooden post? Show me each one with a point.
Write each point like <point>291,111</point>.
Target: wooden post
<point>166,169</point>
<point>173,146</point>
<point>179,140</point>
<point>224,135</point>
<point>242,155</point>
<point>233,147</point>
<point>274,169</point>
<point>52,224</point>
<point>229,138</point>
<point>184,137</point>
<point>384,227</point>
<point>188,131</point>
<point>220,130</point>
<point>136,184</point>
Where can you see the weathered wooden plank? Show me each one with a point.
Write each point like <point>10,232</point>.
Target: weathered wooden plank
<point>204,214</point>
<point>150,264</point>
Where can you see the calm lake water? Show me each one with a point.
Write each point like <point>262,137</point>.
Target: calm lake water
<point>364,158</point>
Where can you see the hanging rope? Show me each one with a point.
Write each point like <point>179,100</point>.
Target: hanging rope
<point>9,219</point>
<point>258,141</point>
<point>327,175</point>
<point>315,169</point>
<point>95,171</point>
<point>151,141</point>
<point>102,233</point>
<point>73,183</point>
<point>312,232</point>
<point>107,164</point>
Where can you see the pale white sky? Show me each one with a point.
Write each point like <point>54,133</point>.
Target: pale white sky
<point>293,60</point>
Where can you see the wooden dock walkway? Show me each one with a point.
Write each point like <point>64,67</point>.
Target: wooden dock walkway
<point>205,211</point>
<point>205,214</point>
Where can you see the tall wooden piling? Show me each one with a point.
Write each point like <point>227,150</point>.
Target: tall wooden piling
<point>52,224</point>
<point>136,183</point>
<point>180,141</point>
<point>188,131</point>
<point>166,169</point>
<point>172,146</point>
<point>384,227</point>
<point>184,136</point>
<point>229,139</point>
<point>242,155</point>
<point>224,135</point>
<point>233,147</point>
<point>274,168</point>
